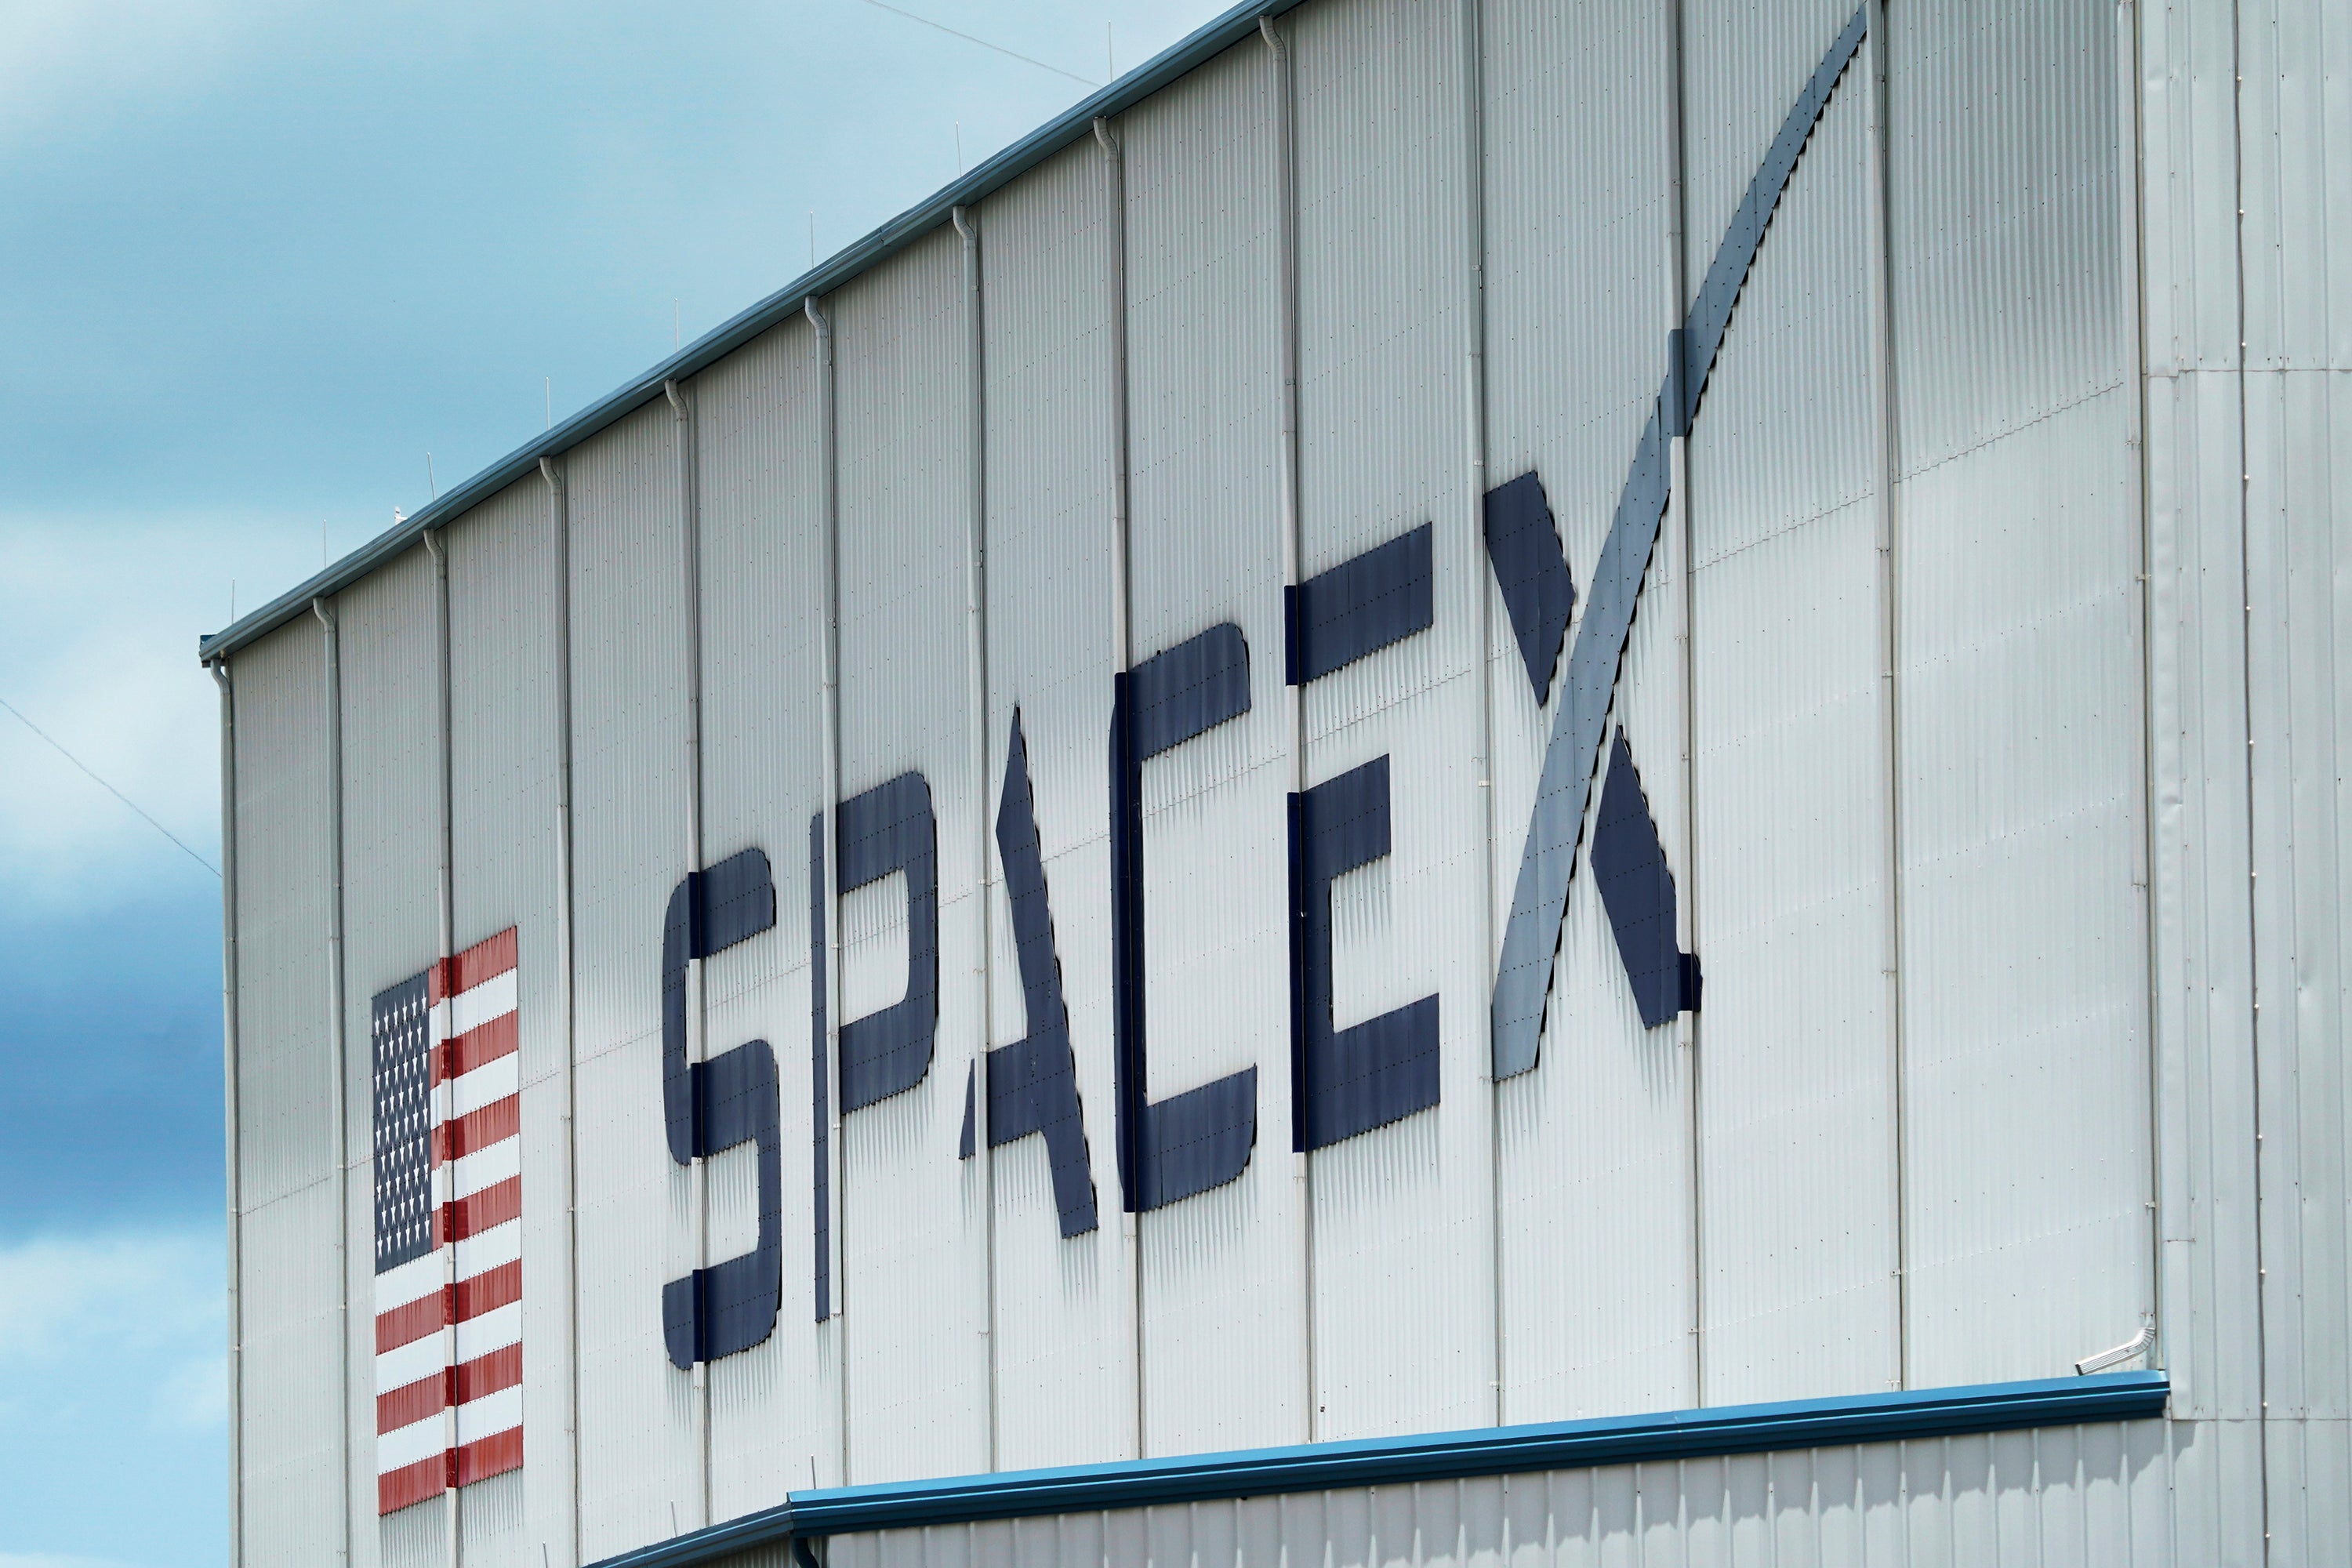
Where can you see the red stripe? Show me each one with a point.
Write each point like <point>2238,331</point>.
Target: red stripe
<point>485,1042</point>
<point>501,1368</point>
<point>469,1215</point>
<point>485,960</point>
<point>410,1403</point>
<point>413,1322</point>
<point>492,1456</point>
<point>487,1291</point>
<point>477,1128</point>
<point>395,1490</point>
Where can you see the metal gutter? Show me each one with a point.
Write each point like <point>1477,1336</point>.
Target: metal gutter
<point>1073,124</point>
<point>1435,1456</point>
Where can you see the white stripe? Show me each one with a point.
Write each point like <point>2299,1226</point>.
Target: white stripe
<point>404,1445</point>
<point>492,1412</point>
<point>480,1253</point>
<point>399,1367</point>
<point>483,1168</point>
<point>495,1330</point>
<point>410,1281</point>
<point>486,1085</point>
<point>472,1009</point>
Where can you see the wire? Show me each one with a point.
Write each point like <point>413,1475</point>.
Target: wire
<point>983,43</point>
<point>108,788</point>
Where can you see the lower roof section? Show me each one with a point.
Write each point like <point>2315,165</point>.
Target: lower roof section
<point>1434,1456</point>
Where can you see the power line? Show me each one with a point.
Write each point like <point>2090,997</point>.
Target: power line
<point>983,43</point>
<point>108,788</point>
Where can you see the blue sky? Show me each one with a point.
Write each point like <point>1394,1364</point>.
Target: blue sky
<point>261,259</point>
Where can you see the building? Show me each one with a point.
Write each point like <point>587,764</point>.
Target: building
<point>1451,724</point>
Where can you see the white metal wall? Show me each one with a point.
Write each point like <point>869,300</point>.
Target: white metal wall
<point>915,1359</point>
<point>389,655</point>
<point>288,1395</point>
<point>1065,1379</point>
<point>1223,1336</point>
<point>1592,1153</point>
<point>2065,1494</point>
<point>774,1410</point>
<point>639,1473</point>
<point>2115,799</point>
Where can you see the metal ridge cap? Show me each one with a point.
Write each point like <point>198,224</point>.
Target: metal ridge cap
<point>1439,1456</point>
<point>1195,49</point>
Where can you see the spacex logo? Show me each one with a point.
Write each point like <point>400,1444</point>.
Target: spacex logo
<point>1344,1081</point>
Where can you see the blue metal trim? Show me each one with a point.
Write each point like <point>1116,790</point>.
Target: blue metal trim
<point>1236,25</point>
<point>1434,1457</point>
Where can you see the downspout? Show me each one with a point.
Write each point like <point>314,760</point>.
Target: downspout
<point>334,700</point>
<point>221,679</point>
<point>558,524</point>
<point>690,609</point>
<point>437,546</point>
<point>1885,460</point>
<point>1686,544</point>
<point>1472,46</point>
<point>1122,654</point>
<point>829,488</point>
<point>976,663</point>
<point>1294,696</point>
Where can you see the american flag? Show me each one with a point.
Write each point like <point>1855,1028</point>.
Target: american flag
<point>449,1227</point>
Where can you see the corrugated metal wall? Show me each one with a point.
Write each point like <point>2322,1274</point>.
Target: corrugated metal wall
<point>2060,1496</point>
<point>1592,1154</point>
<point>774,1409</point>
<point>2083,779</point>
<point>390,654</point>
<point>1403,1236</point>
<point>292,1319</point>
<point>915,1359</point>
<point>639,1473</point>
<point>504,736</point>
<point>1224,1338</point>
<point>1796,1165</point>
<point>1065,1379</point>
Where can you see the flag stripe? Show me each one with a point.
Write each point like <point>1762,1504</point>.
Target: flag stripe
<point>409,1322</point>
<point>500,1287</point>
<point>484,961</point>
<point>477,1046</point>
<point>396,1489</point>
<point>501,1368</point>
<point>477,1129</point>
<point>461,1218</point>
<point>491,1456</point>
<point>410,1403</point>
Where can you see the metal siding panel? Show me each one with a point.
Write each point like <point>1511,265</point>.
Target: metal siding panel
<point>1796,1146</point>
<point>1402,1216</point>
<point>1222,1277</point>
<point>2025,948</point>
<point>291,1447</point>
<point>290,1401</point>
<point>1743,66</point>
<point>1594,1152</point>
<point>758,435</point>
<point>917,1358</point>
<point>504,739</point>
<point>2295,527</point>
<point>286,1057</point>
<point>391,820</point>
<point>1065,1391</point>
<point>635,1206</point>
<point>2293,56</point>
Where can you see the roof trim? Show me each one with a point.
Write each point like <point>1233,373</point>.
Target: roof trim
<point>1435,1456</point>
<point>896,235</point>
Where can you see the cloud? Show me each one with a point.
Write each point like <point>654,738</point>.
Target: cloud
<point>55,1559</point>
<point>92,56</point>
<point>101,654</point>
<point>69,1301</point>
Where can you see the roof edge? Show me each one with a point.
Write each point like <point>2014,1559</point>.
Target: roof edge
<point>1008,164</point>
<point>1916,1414</point>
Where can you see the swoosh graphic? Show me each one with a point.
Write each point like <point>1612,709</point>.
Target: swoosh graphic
<point>1556,827</point>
